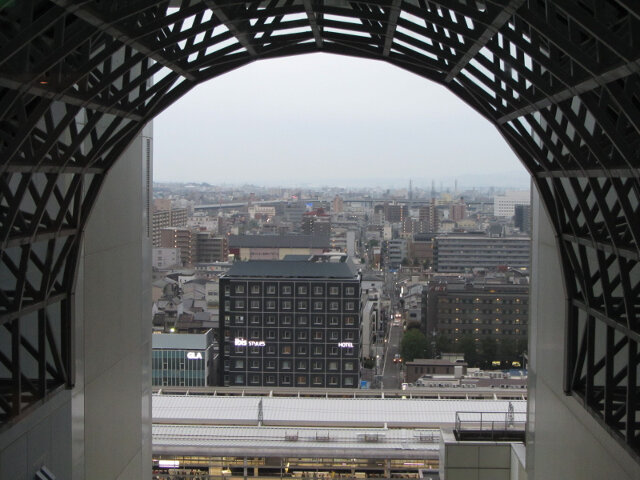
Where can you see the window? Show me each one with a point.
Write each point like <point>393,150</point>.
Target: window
<point>302,380</point>
<point>317,305</point>
<point>271,289</point>
<point>271,379</point>
<point>239,289</point>
<point>271,349</point>
<point>348,366</point>
<point>302,305</point>
<point>254,350</point>
<point>318,290</point>
<point>271,319</point>
<point>285,365</point>
<point>317,321</point>
<point>255,364</point>
<point>334,291</point>
<point>302,320</point>
<point>301,365</point>
<point>302,335</point>
<point>255,334</point>
<point>270,364</point>
<point>286,320</point>
<point>302,289</point>
<point>333,351</point>
<point>240,379</point>
<point>271,334</point>
<point>317,380</point>
<point>349,335</point>
<point>334,335</point>
<point>286,349</point>
<point>239,349</point>
<point>239,304</point>
<point>255,289</point>
<point>349,321</point>
<point>333,306</point>
<point>348,381</point>
<point>350,306</point>
<point>334,321</point>
<point>317,350</point>
<point>286,379</point>
<point>254,319</point>
<point>317,334</point>
<point>239,319</point>
<point>333,380</point>
<point>349,291</point>
<point>301,350</point>
<point>271,304</point>
<point>286,289</point>
<point>332,365</point>
<point>239,363</point>
<point>286,305</point>
<point>286,334</point>
<point>316,365</point>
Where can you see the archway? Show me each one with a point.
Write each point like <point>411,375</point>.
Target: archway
<point>559,82</point>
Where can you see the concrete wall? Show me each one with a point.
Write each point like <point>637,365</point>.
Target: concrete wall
<point>564,441</point>
<point>102,428</point>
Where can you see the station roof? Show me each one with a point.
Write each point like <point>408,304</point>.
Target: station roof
<point>285,441</point>
<point>325,412</point>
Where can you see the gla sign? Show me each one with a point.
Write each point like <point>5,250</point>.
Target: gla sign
<point>194,355</point>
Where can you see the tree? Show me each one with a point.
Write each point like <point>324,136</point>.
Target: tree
<point>443,344</point>
<point>508,349</point>
<point>467,346</point>
<point>414,345</point>
<point>489,350</point>
<point>405,262</point>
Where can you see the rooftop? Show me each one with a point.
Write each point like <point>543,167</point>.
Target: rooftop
<point>278,241</point>
<point>291,269</point>
<point>180,341</point>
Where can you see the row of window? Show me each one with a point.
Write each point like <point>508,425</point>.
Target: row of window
<point>484,321</point>
<point>498,300</point>
<point>297,380</point>
<point>288,349</point>
<point>485,331</point>
<point>288,364</point>
<point>485,311</point>
<point>300,305</point>
<point>287,334</point>
<point>301,320</point>
<point>288,289</point>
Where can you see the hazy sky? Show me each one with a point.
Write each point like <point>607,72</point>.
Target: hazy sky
<point>328,120</point>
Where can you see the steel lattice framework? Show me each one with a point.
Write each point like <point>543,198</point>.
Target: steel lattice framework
<point>559,80</point>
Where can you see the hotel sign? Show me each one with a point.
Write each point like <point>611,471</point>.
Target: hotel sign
<point>242,342</point>
<point>345,345</point>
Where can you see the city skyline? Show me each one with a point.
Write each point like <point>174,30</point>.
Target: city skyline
<point>234,132</point>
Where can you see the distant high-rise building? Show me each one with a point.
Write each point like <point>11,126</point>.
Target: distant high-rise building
<point>180,238</point>
<point>504,205</point>
<point>522,218</point>
<point>457,211</point>
<point>316,222</point>
<point>337,206</point>
<point>210,247</point>
<point>166,217</point>
<point>457,253</point>
<point>395,213</point>
<point>428,218</point>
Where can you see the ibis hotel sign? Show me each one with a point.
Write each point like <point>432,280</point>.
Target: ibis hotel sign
<point>242,342</point>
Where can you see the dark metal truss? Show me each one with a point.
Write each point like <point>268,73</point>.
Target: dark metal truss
<point>559,80</point>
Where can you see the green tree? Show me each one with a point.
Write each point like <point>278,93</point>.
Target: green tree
<point>489,350</point>
<point>443,344</point>
<point>508,349</point>
<point>405,262</point>
<point>467,346</point>
<point>414,345</point>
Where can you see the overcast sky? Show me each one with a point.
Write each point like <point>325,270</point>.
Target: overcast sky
<point>328,120</point>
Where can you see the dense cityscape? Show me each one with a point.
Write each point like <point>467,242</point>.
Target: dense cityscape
<point>302,288</point>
